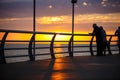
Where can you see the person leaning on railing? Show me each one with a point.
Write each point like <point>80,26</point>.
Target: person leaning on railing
<point>117,32</point>
<point>105,43</point>
<point>97,33</point>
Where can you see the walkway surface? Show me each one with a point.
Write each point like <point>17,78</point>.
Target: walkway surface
<point>76,68</point>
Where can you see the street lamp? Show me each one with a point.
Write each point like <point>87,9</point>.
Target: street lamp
<point>34,26</point>
<point>73,2</point>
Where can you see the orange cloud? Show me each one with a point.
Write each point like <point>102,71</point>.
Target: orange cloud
<point>80,18</point>
<point>53,20</point>
<point>66,19</point>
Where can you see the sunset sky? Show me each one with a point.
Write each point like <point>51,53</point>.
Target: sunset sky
<point>55,15</point>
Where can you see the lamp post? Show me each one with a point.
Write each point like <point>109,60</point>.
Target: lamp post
<point>73,2</point>
<point>34,26</point>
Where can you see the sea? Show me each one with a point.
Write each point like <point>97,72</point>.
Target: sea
<point>79,51</point>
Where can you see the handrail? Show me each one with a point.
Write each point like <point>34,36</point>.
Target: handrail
<point>2,56</point>
<point>91,42</point>
<point>70,47</point>
<point>31,56</point>
<point>51,47</point>
<point>31,32</point>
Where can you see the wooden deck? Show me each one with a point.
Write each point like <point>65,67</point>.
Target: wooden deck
<point>76,68</point>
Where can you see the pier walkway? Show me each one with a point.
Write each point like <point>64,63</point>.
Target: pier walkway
<point>67,68</point>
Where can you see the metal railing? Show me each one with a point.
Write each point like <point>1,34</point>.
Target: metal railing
<point>51,47</point>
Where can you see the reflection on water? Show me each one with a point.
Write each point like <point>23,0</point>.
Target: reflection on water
<point>57,50</point>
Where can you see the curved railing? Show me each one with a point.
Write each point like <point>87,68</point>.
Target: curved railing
<point>51,47</point>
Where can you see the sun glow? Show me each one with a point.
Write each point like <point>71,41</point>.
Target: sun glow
<point>43,37</point>
<point>62,37</point>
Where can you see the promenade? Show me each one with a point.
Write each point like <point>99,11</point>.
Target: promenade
<point>76,68</point>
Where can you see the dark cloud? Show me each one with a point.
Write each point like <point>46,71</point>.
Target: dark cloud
<point>24,8</point>
<point>14,8</point>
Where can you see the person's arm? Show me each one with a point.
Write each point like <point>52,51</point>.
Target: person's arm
<point>92,33</point>
<point>116,32</point>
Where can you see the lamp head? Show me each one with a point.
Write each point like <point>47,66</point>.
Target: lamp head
<point>73,1</point>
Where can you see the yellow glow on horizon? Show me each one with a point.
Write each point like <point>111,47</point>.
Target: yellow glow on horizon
<point>82,37</point>
<point>62,24</point>
<point>18,36</point>
<point>43,37</point>
<point>1,35</point>
<point>48,37</point>
<point>62,37</point>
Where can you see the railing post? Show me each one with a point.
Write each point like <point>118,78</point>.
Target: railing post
<point>69,47</point>
<point>110,39</point>
<point>52,47</point>
<point>109,42</point>
<point>2,46</point>
<point>91,49</point>
<point>30,49</point>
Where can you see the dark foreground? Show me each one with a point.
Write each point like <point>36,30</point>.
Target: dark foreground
<point>77,68</point>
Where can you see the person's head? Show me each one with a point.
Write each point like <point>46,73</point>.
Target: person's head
<point>101,27</point>
<point>94,25</point>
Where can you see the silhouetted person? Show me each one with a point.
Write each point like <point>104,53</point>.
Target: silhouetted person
<point>97,33</point>
<point>105,43</point>
<point>118,34</point>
